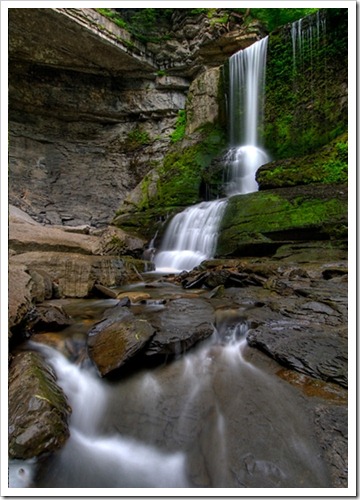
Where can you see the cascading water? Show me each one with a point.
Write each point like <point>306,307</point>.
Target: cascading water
<point>192,235</point>
<point>246,104</point>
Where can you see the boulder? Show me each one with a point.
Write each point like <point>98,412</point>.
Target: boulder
<point>73,274</point>
<point>117,341</point>
<point>179,326</point>
<point>308,349</point>
<point>38,409</point>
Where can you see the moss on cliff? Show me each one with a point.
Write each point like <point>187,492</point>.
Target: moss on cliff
<point>306,84</point>
<point>260,222</point>
<point>174,184</point>
<point>327,165</point>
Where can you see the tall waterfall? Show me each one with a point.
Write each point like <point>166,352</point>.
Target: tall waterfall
<point>192,235</point>
<point>246,109</point>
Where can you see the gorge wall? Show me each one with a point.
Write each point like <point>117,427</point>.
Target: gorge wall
<point>91,109</point>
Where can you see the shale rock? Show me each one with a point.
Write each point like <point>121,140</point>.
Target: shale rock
<point>332,432</point>
<point>257,224</point>
<point>310,351</point>
<point>180,325</point>
<point>38,409</point>
<point>115,342</point>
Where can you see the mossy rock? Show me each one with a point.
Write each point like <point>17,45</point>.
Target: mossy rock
<point>327,165</point>
<point>306,97</point>
<point>259,223</point>
<point>177,183</point>
<point>38,408</point>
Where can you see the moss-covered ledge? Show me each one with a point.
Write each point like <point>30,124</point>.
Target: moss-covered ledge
<point>259,223</point>
<point>327,165</point>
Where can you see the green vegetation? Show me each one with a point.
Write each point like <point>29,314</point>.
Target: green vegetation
<point>180,126</point>
<point>111,14</point>
<point>328,165</point>
<point>265,217</point>
<point>303,107</point>
<point>154,25</point>
<point>274,18</point>
<point>181,172</point>
<point>137,138</point>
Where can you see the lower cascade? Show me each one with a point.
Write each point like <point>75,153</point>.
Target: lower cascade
<point>191,237</point>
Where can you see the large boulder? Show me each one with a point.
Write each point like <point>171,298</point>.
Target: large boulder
<point>116,341</point>
<point>20,297</point>
<point>38,409</point>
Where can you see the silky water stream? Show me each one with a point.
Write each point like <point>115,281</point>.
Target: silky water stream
<point>212,418</point>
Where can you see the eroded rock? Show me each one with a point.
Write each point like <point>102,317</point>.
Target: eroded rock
<point>116,341</point>
<point>38,409</point>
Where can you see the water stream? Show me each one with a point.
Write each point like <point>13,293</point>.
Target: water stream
<point>191,235</point>
<point>210,419</point>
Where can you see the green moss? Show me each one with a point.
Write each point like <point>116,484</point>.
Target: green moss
<point>181,172</point>
<point>327,165</point>
<point>281,216</point>
<point>114,16</point>
<point>137,138</point>
<point>180,127</point>
<point>304,108</point>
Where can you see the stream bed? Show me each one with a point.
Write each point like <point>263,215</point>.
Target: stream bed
<point>217,416</point>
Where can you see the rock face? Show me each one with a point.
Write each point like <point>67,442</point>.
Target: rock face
<point>38,409</point>
<point>89,112</point>
<point>50,262</point>
<point>122,340</point>
<point>179,326</point>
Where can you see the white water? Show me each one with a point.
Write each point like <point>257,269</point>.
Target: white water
<point>192,235</point>
<point>93,459</point>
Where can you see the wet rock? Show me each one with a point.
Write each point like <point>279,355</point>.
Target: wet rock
<point>134,297</point>
<point>334,272</point>
<point>20,299</point>
<point>38,409</point>
<point>306,349</point>
<point>332,433</point>
<point>49,317</point>
<point>104,291</point>
<point>113,343</point>
<point>180,325</point>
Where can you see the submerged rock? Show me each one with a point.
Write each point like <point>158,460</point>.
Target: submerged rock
<point>38,409</point>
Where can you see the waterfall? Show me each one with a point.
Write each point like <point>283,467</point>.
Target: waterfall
<point>246,105</point>
<point>191,236</point>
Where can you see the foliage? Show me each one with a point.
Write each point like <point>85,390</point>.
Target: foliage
<point>328,165</point>
<point>274,18</point>
<point>180,126</point>
<point>154,25</point>
<point>250,219</point>
<point>137,138</point>
<point>111,14</point>
<point>303,110</point>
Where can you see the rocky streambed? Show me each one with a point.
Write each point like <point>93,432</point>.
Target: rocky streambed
<point>231,375</point>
